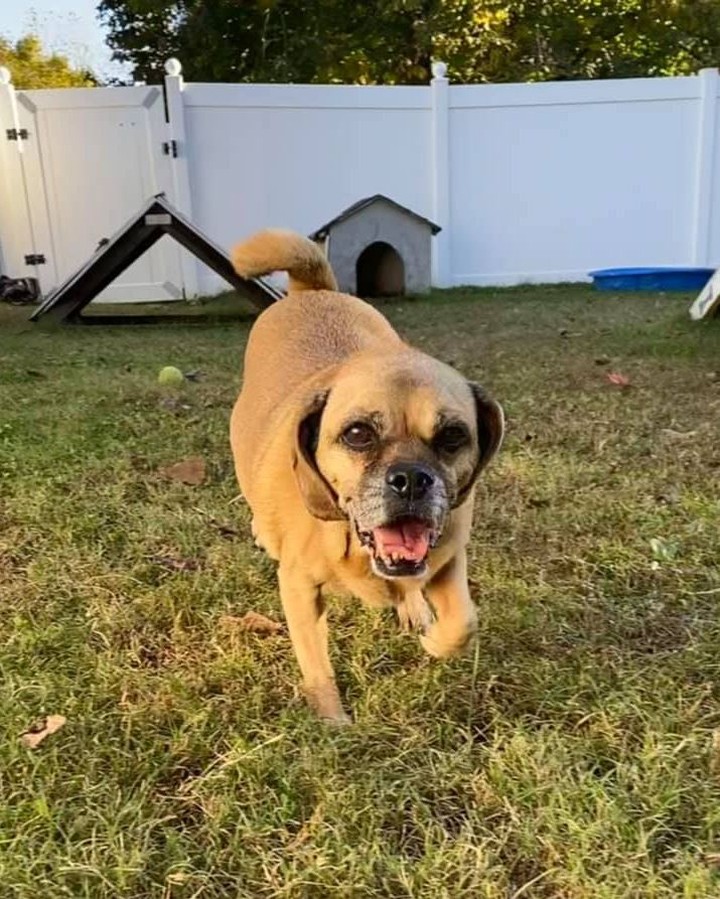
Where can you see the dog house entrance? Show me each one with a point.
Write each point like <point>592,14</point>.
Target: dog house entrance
<point>380,271</point>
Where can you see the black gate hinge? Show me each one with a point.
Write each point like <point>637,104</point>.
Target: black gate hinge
<point>35,259</point>
<point>15,134</point>
<point>170,148</point>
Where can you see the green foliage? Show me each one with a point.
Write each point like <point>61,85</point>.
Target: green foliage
<point>32,67</point>
<point>393,41</point>
<point>563,39</point>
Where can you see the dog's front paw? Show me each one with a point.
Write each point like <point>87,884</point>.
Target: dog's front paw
<point>324,700</point>
<point>414,613</point>
<point>343,720</point>
<point>444,639</point>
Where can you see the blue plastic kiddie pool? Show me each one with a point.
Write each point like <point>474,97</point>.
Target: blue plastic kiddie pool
<point>687,279</point>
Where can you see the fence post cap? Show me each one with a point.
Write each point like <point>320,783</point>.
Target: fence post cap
<point>173,67</point>
<point>439,69</point>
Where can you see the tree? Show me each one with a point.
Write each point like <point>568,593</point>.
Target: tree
<point>393,41</point>
<point>31,67</point>
<point>564,39</point>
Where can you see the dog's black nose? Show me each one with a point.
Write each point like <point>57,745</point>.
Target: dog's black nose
<point>409,480</point>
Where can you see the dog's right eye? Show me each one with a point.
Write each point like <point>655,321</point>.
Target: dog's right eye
<point>359,436</point>
<point>451,439</point>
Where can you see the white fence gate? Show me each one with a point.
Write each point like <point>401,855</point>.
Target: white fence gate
<point>77,164</point>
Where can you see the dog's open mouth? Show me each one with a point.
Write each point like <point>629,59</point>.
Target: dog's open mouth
<point>400,549</point>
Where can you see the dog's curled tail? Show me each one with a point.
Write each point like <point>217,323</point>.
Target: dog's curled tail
<point>276,250</point>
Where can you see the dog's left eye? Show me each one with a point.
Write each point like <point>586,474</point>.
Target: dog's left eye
<point>359,436</point>
<point>451,439</point>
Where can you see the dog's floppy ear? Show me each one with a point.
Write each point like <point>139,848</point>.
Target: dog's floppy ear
<point>320,499</point>
<point>490,429</point>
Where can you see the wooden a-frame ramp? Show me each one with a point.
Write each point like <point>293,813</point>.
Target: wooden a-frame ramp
<point>137,235</point>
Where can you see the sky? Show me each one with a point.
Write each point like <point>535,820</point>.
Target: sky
<point>69,27</point>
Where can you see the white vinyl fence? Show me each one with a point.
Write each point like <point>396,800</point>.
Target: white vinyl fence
<point>530,182</point>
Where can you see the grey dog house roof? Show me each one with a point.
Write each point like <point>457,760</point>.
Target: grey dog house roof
<point>362,204</point>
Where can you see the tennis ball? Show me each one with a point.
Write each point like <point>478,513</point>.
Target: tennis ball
<point>170,376</point>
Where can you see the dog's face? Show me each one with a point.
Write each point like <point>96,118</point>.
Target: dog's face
<point>394,447</point>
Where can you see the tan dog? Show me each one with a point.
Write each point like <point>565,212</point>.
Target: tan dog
<point>357,455</point>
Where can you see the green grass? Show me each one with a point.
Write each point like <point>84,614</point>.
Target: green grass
<point>571,756</point>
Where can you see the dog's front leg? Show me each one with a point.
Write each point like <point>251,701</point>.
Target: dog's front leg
<point>306,617</point>
<point>456,623</point>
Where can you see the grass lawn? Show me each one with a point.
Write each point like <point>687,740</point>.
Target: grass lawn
<point>575,754</point>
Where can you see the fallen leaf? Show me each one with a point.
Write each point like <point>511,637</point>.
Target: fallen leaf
<point>173,563</point>
<point>617,379</point>
<point>190,471</point>
<point>225,530</point>
<point>253,622</point>
<point>193,375</point>
<point>602,360</point>
<point>33,737</point>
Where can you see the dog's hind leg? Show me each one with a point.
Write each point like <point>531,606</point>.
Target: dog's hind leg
<point>306,618</point>
<point>456,622</point>
<point>264,539</point>
<point>256,536</point>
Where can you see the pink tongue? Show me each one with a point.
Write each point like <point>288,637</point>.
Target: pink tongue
<point>409,540</point>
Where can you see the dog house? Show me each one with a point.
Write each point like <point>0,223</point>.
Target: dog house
<point>378,248</point>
